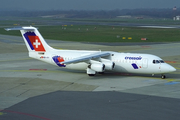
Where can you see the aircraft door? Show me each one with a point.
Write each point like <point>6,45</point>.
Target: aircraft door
<point>160,67</point>
<point>145,63</point>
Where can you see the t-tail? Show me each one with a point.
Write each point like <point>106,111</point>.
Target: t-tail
<point>34,41</point>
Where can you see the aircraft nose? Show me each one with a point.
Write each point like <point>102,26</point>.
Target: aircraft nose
<point>172,69</point>
<point>166,68</point>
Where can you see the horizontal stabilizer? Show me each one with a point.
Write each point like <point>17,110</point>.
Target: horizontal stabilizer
<point>21,28</point>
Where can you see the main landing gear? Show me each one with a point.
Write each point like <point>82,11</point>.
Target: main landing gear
<point>95,74</point>
<point>91,74</point>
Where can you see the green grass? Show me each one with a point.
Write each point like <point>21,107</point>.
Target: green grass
<point>108,34</point>
<point>104,33</point>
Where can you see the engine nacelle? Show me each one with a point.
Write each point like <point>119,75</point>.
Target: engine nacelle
<point>98,67</point>
<point>109,65</point>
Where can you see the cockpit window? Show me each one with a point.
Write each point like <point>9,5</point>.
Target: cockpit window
<point>161,61</point>
<point>158,61</point>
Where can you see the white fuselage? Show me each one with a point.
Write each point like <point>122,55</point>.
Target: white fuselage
<point>124,62</point>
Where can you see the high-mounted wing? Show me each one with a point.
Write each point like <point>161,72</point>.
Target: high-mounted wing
<point>87,57</point>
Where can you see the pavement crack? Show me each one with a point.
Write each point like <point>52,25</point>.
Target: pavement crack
<point>23,93</point>
<point>68,85</point>
<point>10,89</point>
<point>19,85</point>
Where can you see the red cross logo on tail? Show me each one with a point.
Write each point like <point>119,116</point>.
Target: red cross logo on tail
<point>35,41</point>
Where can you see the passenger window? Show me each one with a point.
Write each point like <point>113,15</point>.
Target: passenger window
<point>154,61</point>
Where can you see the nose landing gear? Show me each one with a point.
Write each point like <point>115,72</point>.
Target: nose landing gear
<point>163,76</point>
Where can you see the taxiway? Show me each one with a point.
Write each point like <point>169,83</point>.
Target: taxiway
<point>31,89</point>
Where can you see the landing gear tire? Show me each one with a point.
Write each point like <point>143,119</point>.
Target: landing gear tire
<point>91,74</point>
<point>163,76</point>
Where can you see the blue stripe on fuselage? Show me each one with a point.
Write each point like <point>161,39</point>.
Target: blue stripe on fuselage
<point>134,66</point>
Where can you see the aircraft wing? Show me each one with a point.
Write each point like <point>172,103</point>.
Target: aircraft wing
<point>87,57</point>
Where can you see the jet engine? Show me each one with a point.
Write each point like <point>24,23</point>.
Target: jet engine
<point>108,63</point>
<point>98,67</point>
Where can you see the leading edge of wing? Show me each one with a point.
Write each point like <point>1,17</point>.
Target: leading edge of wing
<point>87,57</point>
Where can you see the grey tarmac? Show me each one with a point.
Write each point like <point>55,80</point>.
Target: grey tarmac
<point>31,89</point>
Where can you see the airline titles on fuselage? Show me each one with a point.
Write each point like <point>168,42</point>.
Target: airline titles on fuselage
<point>133,58</point>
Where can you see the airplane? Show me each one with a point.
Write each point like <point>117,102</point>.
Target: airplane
<point>92,61</point>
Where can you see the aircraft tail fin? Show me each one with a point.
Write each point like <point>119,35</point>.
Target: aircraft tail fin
<point>33,39</point>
